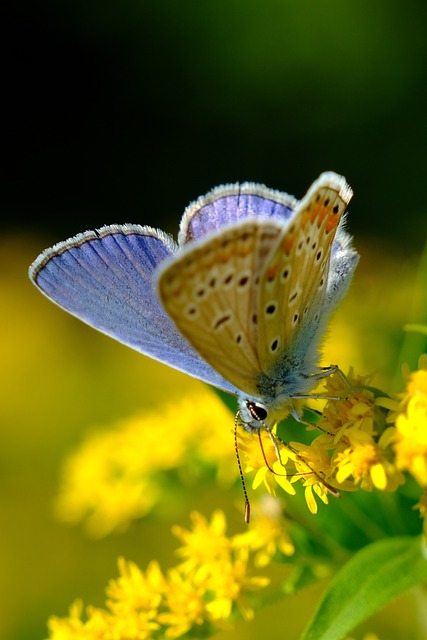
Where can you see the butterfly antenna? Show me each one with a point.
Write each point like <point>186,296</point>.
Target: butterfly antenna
<point>239,464</point>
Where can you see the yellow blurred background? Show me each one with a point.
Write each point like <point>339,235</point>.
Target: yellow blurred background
<point>60,379</point>
<point>124,112</point>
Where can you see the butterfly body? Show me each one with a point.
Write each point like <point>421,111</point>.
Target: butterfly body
<point>241,302</point>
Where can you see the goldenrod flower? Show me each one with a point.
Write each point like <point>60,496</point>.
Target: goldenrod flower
<point>267,532</point>
<point>216,564</point>
<point>368,462</point>
<point>416,382</point>
<point>260,455</point>
<point>185,604</point>
<point>71,628</point>
<point>416,386</point>
<point>205,542</point>
<point>411,439</point>
<point>313,468</point>
<point>114,477</point>
<point>100,624</point>
<point>136,591</point>
<point>202,593</point>
<point>411,425</point>
<point>355,410</point>
<point>231,581</point>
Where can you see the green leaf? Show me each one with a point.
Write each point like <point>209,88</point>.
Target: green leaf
<point>417,328</point>
<point>373,577</point>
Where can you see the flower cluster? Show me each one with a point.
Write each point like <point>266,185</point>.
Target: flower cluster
<point>119,475</point>
<point>411,432</point>
<point>367,441</point>
<point>411,426</point>
<point>201,594</point>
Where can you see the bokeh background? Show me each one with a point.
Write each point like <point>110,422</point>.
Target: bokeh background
<point>125,112</point>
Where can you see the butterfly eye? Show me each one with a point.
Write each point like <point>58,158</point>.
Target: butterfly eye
<point>257,411</point>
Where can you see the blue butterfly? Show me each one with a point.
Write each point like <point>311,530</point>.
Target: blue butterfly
<point>240,302</point>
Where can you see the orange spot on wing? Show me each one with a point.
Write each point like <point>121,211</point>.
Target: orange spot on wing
<point>271,273</point>
<point>225,256</point>
<point>288,243</point>
<point>306,218</point>
<point>242,252</point>
<point>322,215</point>
<point>314,211</point>
<point>332,222</point>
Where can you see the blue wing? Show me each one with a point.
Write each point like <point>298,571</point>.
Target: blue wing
<point>230,203</point>
<point>105,278</point>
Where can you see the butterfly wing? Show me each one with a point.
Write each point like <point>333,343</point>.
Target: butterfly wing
<point>295,277</point>
<point>231,203</point>
<point>343,262</point>
<point>210,290</point>
<point>105,278</point>
<point>241,295</point>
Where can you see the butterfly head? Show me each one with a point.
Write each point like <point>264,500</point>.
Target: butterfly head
<point>254,415</point>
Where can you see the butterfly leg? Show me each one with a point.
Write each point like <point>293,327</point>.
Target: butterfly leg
<point>328,371</point>
<point>274,439</point>
<point>325,373</point>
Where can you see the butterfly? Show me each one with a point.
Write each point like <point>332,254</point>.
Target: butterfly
<point>241,301</point>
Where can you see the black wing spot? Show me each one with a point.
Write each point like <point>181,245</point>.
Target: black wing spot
<point>285,274</point>
<point>221,321</point>
<point>192,311</point>
<point>274,345</point>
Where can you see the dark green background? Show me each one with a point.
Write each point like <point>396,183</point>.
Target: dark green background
<point>124,111</point>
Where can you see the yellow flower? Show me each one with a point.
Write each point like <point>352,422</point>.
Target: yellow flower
<point>355,410</point>
<point>205,542</point>
<point>184,604</point>
<point>368,462</point>
<point>136,591</point>
<point>411,439</point>
<point>114,477</point>
<point>313,468</point>
<point>71,628</point>
<point>417,385</point>
<point>200,595</point>
<point>216,572</point>
<point>262,458</point>
<point>230,581</point>
<point>266,534</point>
<point>100,625</point>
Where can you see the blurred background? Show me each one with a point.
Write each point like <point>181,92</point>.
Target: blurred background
<point>125,112</point>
